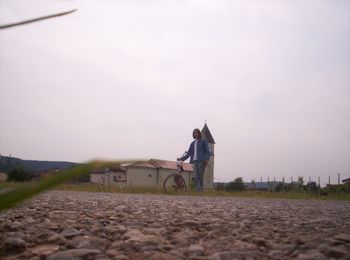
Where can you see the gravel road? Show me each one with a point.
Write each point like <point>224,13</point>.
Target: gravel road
<point>84,225</point>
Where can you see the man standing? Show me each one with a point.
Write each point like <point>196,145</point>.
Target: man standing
<point>199,152</point>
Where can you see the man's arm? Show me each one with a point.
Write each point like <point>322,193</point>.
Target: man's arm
<point>184,158</point>
<point>187,154</point>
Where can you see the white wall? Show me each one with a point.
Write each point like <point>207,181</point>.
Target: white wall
<point>118,179</point>
<point>150,177</point>
<point>140,176</point>
<point>3,176</point>
<point>208,180</point>
<point>99,178</point>
<point>107,178</point>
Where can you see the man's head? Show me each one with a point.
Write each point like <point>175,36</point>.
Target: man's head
<point>196,134</point>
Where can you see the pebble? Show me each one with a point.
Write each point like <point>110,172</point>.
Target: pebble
<point>44,250</point>
<point>15,243</point>
<point>126,226</point>
<point>73,253</point>
<point>343,237</point>
<point>312,255</point>
<point>338,252</point>
<point>70,232</point>
<point>196,250</point>
<point>58,239</point>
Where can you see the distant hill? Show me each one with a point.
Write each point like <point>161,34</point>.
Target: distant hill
<point>8,163</point>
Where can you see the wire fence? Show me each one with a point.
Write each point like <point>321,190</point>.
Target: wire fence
<point>299,184</point>
<point>320,181</point>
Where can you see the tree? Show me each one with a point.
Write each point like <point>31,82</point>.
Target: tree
<point>236,185</point>
<point>280,187</point>
<point>312,187</point>
<point>300,183</point>
<point>18,174</point>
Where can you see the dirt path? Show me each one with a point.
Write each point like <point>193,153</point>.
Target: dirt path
<point>82,225</point>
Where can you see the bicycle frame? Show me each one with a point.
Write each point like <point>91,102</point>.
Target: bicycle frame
<point>175,181</point>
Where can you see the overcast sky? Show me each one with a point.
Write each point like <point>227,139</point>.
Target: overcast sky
<point>131,79</point>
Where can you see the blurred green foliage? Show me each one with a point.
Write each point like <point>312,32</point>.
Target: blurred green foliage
<point>19,174</point>
<point>14,195</point>
<point>236,185</point>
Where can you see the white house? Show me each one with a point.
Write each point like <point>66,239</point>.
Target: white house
<point>151,173</point>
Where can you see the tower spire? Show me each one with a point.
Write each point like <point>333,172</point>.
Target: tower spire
<point>206,133</point>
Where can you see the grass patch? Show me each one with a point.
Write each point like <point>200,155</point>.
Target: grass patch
<point>12,193</point>
<point>91,187</point>
<point>279,195</point>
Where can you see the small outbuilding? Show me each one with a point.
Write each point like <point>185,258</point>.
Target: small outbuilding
<point>346,181</point>
<point>3,177</point>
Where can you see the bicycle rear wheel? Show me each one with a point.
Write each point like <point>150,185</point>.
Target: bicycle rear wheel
<point>174,183</point>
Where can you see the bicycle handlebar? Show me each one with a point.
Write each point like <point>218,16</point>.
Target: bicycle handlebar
<point>181,156</point>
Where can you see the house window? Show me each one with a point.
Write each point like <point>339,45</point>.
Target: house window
<point>119,177</point>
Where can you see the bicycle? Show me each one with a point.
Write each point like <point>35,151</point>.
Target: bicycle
<point>175,182</point>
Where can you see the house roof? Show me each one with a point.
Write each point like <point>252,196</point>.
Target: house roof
<point>146,164</point>
<point>152,163</point>
<point>207,135</point>
<point>170,164</point>
<point>113,168</point>
<point>346,180</point>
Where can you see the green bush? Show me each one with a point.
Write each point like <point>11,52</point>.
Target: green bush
<point>236,185</point>
<point>312,187</point>
<point>192,185</point>
<point>280,187</point>
<point>18,174</point>
<point>300,184</point>
<point>336,189</point>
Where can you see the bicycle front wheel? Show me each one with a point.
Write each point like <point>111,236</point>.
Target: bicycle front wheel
<point>174,183</point>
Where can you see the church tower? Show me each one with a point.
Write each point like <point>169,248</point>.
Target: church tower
<point>208,181</point>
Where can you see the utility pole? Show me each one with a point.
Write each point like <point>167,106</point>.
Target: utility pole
<point>338,178</point>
